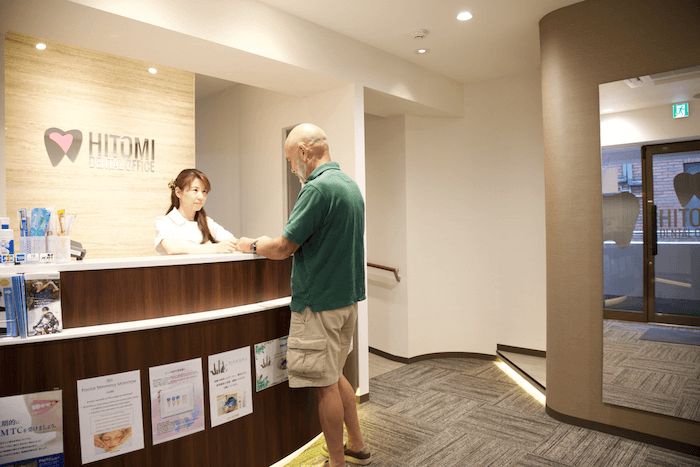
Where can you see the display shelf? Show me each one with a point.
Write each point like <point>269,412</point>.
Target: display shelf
<point>155,323</point>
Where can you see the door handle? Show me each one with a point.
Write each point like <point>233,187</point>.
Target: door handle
<point>654,235</point>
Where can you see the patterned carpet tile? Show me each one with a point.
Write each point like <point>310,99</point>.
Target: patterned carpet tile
<point>672,353</point>
<point>416,375</point>
<point>387,394</point>
<point>471,387</point>
<point>658,457</point>
<point>393,435</point>
<point>467,366</point>
<point>457,448</point>
<point>494,373</point>
<point>638,399</point>
<point>510,427</point>
<point>434,409</point>
<point>679,368</point>
<point>670,385</point>
<point>585,448</point>
<point>519,400</point>
<point>688,407</point>
<point>531,460</point>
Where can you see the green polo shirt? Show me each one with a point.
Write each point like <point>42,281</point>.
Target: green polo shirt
<point>328,221</point>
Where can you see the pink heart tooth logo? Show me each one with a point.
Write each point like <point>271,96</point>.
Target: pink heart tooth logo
<point>61,143</point>
<point>62,140</point>
<point>686,186</point>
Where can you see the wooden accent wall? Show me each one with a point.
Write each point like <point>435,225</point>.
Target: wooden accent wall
<point>73,88</point>
<point>582,46</point>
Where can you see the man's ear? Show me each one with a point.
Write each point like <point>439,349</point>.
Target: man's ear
<point>303,152</point>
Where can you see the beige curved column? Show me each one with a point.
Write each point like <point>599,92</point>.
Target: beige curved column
<point>582,46</point>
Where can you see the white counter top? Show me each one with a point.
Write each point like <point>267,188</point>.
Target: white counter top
<point>131,326</point>
<point>122,263</point>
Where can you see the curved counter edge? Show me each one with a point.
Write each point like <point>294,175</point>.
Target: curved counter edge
<point>666,443</point>
<point>155,323</point>
<point>124,263</point>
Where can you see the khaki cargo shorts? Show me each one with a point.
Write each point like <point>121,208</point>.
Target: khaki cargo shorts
<point>318,346</point>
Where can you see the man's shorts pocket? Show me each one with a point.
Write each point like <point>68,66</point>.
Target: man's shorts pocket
<point>306,357</point>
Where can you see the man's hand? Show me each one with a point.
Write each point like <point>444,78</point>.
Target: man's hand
<point>244,244</point>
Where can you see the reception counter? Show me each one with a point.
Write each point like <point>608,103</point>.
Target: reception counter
<point>138,313</point>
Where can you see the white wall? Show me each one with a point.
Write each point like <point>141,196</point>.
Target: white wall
<point>475,222</point>
<point>648,125</point>
<point>385,140</point>
<point>217,125</point>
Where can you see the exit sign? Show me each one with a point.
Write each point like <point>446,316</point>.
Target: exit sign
<point>680,110</point>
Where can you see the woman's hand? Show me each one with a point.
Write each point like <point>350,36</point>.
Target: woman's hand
<point>227,246</point>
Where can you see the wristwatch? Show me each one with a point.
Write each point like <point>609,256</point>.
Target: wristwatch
<point>253,247</point>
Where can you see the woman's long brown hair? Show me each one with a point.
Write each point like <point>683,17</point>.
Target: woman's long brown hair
<point>183,181</point>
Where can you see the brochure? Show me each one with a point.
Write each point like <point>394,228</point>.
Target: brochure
<point>110,416</point>
<point>31,430</point>
<point>270,363</point>
<point>43,297</point>
<point>177,400</point>
<point>230,386</point>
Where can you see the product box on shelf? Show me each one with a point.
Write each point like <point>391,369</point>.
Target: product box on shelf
<point>8,311</point>
<point>43,303</point>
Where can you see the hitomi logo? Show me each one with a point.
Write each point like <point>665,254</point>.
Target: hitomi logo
<point>105,150</point>
<point>686,186</point>
<point>61,143</point>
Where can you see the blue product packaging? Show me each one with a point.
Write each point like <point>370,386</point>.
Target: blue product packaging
<point>23,222</point>
<point>9,321</point>
<point>39,222</point>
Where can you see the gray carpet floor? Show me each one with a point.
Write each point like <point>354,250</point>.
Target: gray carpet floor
<point>654,376</point>
<point>467,412</point>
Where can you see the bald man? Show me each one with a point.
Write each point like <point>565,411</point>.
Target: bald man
<point>325,232</point>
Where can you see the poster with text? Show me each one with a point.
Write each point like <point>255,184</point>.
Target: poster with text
<point>177,400</point>
<point>270,363</point>
<point>230,386</point>
<point>110,415</point>
<point>31,430</point>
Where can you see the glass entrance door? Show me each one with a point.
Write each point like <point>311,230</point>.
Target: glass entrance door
<point>651,233</point>
<point>673,239</point>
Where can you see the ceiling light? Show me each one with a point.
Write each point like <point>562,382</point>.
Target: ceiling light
<point>41,46</point>
<point>422,51</point>
<point>464,16</point>
<point>153,71</point>
<point>607,111</point>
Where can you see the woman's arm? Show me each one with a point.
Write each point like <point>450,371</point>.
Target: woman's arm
<point>174,246</point>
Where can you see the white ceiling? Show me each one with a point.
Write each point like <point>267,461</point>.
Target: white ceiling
<point>501,39</point>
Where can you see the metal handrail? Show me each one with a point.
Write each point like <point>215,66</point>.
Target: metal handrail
<point>386,268</point>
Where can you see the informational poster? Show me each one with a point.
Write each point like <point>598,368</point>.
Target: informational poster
<point>110,415</point>
<point>177,400</point>
<point>31,430</point>
<point>270,363</point>
<point>230,386</point>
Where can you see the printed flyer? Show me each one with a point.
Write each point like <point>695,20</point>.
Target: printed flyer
<point>110,416</point>
<point>270,363</point>
<point>177,400</point>
<point>230,386</point>
<point>31,430</point>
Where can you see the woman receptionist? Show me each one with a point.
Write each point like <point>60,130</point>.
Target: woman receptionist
<point>186,228</point>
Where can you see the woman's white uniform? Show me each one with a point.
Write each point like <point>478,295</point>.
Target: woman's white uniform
<point>175,226</point>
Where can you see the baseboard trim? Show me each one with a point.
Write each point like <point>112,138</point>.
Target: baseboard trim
<point>431,356</point>
<point>521,350</point>
<point>666,443</point>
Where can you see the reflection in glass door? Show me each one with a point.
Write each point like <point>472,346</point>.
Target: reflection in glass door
<point>651,233</point>
<point>673,246</point>
<point>623,247</point>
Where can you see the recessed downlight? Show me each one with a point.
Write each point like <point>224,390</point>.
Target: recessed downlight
<point>41,46</point>
<point>464,16</point>
<point>422,51</point>
<point>152,71</point>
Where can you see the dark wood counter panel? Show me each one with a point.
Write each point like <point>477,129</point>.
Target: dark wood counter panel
<point>283,419</point>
